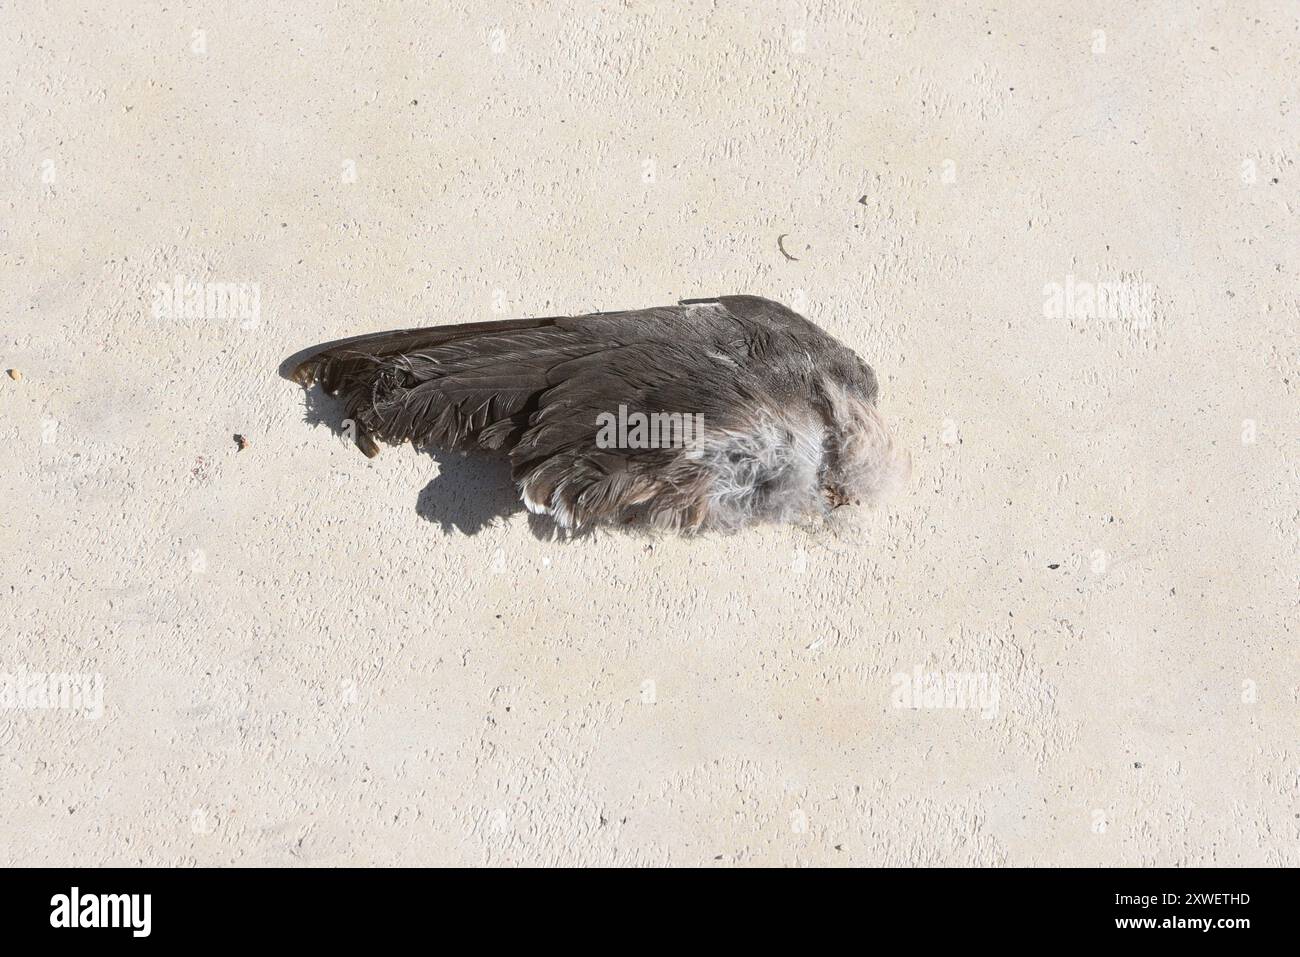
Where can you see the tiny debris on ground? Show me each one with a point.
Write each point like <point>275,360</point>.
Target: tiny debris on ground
<point>15,375</point>
<point>241,442</point>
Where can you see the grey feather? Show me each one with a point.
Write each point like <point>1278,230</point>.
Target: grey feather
<point>790,427</point>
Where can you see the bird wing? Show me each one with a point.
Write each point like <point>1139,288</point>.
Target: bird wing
<point>538,388</point>
<point>453,386</point>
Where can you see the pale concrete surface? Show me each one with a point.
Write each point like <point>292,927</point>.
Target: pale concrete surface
<point>311,658</point>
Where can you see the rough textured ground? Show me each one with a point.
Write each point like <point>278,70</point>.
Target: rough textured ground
<point>312,658</point>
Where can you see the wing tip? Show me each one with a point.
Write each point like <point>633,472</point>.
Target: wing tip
<point>303,366</point>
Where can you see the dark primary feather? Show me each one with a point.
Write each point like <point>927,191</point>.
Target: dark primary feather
<point>762,377</point>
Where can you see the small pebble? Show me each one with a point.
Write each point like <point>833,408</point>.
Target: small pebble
<point>241,442</point>
<point>15,375</point>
